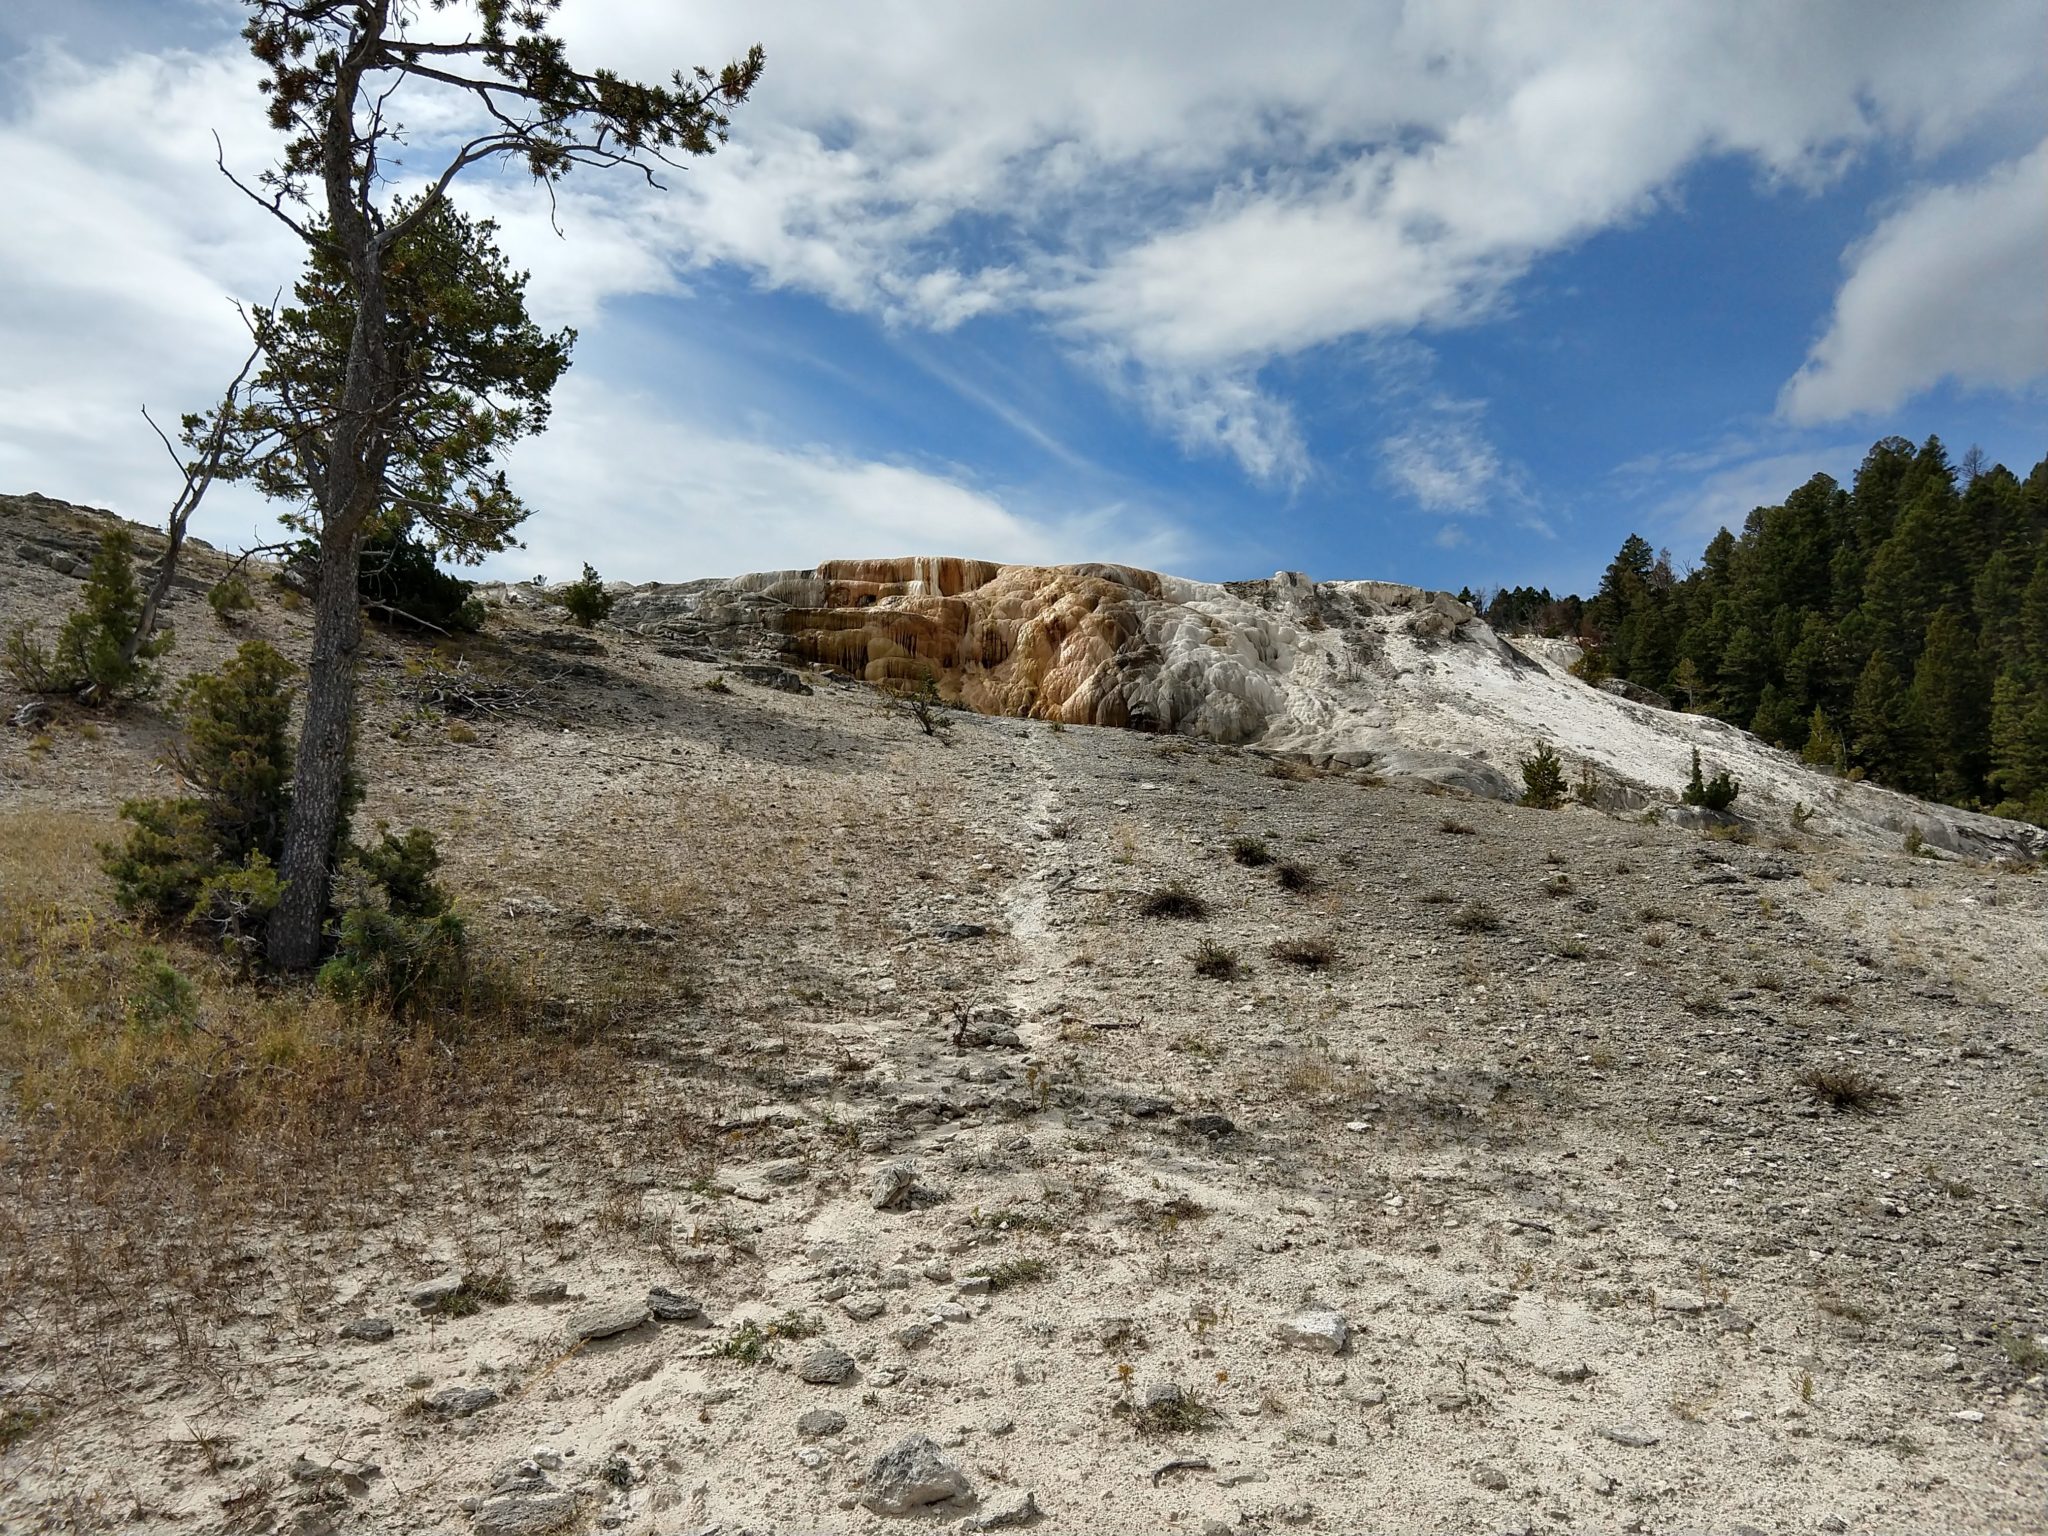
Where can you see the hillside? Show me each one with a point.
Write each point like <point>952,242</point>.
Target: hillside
<point>1460,1166</point>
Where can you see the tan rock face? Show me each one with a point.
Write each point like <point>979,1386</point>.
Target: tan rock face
<point>1052,642</point>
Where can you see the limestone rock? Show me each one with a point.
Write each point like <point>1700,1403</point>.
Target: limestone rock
<point>1320,1329</point>
<point>911,1476</point>
<point>605,1319</point>
<point>524,1514</point>
<point>826,1366</point>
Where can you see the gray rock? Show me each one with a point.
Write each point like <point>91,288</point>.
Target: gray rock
<point>1490,1478</point>
<point>1568,1372</point>
<point>368,1330</point>
<point>1004,1512</point>
<point>605,1319</point>
<point>435,1291</point>
<point>524,1514</point>
<point>865,1307</point>
<point>785,1170</point>
<point>826,1366</point>
<point>1319,1329</point>
<point>910,1476</point>
<point>667,1306</point>
<point>891,1187</point>
<point>1213,1126</point>
<point>953,933</point>
<point>820,1422</point>
<point>33,716</point>
<point>461,1402</point>
<point>548,1291</point>
<point>1632,1435</point>
<point>915,1335</point>
<point>1683,1302</point>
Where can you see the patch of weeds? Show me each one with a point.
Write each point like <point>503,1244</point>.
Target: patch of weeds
<point>1251,852</point>
<point>747,1344</point>
<point>716,685</point>
<point>1016,1221</point>
<point>1476,917</point>
<point>1297,878</point>
<point>1571,948</point>
<point>17,1424</point>
<point>1217,963</point>
<point>2024,1350</point>
<point>1454,827</point>
<point>1436,898</point>
<point>1174,901</point>
<point>1292,770</point>
<point>1603,1059</point>
<point>1704,1006</point>
<point>478,1290</point>
<point>1009,1275</point>
<point>1770,981</point>
<point>1180,1412</point>
<point>1832,998</point>
<point>1307,954</point>
<point>1558,886</point>
<point>1655,914</point>
<point>462,735</point>
<point>794,1326</point>
<point>1844,1088</point>
<point>1849,1311</point>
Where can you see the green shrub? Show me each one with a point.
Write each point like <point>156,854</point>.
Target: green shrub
<point>230,599</point>
<point>398,939</point>
<point>1716,794</point>
<point>1543,778</point>
<point>586,599</point>
<point>162,996</point>
<point>1250,852</point>
<point>28,663</point>
<point>91,656</point>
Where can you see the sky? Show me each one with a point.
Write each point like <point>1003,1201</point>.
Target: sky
<point>1452,293</point>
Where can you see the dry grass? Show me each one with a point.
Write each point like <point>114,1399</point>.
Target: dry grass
<point>1305,954</point>
<point>1250,852</point>
<point>1454,828</point>
<point>1217,963</point>
<point>1476,917</point>
<point>1845,1088</point>
<point>1295,878</point>
<point>1174,901</point>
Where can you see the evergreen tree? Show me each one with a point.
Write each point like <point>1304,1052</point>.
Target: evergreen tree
<point>1885,735</point>
<point>2019,745</point>
<point>1951,696</point>
<point>1824,747</point>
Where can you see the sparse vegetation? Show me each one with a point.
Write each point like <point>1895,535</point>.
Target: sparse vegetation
<point>1174,901</point>
<point>1250,852</point>
<point>1012,1273</point>
<point>1715,794</point>
<point>1845,1088</point>
<point>230,598</point>
<point>1297,879</point>
<point>1304,954</point>
<point>1216,963</point>
<point>1178,1411</point>
<point>1476,917</point>
<point>478,1290</point>
<point>1454,827</point>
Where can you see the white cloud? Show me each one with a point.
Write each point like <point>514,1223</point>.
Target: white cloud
<point>691,501</point>
<point>1952,286</point>
<point>1730,481</point>
<point>1444,462</point>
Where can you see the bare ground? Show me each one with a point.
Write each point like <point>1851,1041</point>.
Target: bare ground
<point>1540,1131</point>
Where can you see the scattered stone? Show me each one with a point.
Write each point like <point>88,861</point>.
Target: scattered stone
<point>953,933</point>
<point>1570,1371</point>
<point>461,1402</point>
<point>435,1291</point>
<point>1019,1507</point>
<point>368,1330</point>
<point>1632,1435</point>
<point>915,1335</point>
<point>865,1307</point>
<point>826,1366</point>
<point>820,1422</point>
<point>33,716</point>
<point>1319,1329</point>
<point>667,1306</point>
<point>1145,1106</point>
<point>548,1291</point>
<point>768,676</point>
<point>524,1514</point>
<point>1213,1126</point>
<point>1490,1478</point>
<point>973,1285</point>
<point>891,1187</point>
<point>911,1476</point>
<point>604,1320</point>
<point>1682,1302</point>
<point>784,1170</point>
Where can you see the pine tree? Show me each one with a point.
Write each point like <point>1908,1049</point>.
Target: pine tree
<point>2019,746</point>
<point>1885,735</point>
<point>101,652</point>
<point>1952,699</point>
<point>1824,748</point>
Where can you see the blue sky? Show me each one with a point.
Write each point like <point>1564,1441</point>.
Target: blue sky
<point>1439,293</point>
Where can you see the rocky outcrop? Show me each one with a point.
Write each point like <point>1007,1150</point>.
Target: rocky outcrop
<point>1343,673</point>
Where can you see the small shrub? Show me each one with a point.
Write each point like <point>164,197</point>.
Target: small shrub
<point>1015,1272</point>
<point>479,1289</point>
<point>1844,1088</point>
<point>925,705</point>
<point>1587,790</point>
<point>1570,948</point>
<point>586,599</point>
<point>1439,897</point>
<point>717,685</point>
<point>1304,954</point>
<point>1250,852</point>
<point>1476,917</point>
<point>1177,1412</point>
<point>28,663</point>
<point>1558,885</point>
<point>1715,794</point>
<point>163,995</point>
<point>1802,814</point>
<point>229,600</point>
<point>1543,783</point>
<point>747,1344</point>
<point>399,938</point>
<point>1454,827</point>
<point>91,657</point>
<point>1295,878</point>
<point>1174,901</point>
<point>1217,963</point>
<point>17,1423</point>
